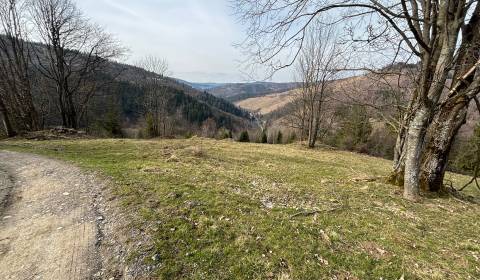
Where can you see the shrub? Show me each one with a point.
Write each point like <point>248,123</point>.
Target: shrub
<point>354,129</point>
<point>109,126</point>
<point>465,157</point>
<point>223,134</point>
<point>150,130</point>
<point>292,138</point>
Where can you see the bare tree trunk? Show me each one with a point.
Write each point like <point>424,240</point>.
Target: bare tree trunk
<point>311,132</point>
<point>415,141</point>
<point>6,120</point>
<point>72,113</point>
<point>397,175</point>
<point>443,132</point>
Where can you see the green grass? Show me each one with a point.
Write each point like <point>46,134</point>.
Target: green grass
<point>225,210</point>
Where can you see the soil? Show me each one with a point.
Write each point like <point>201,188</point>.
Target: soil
<point>55,222</point>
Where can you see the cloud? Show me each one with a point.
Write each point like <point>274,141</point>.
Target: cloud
<point>122,8</point>
<point>196,37</point>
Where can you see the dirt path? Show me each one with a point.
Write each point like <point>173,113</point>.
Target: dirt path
<point>49,221</point>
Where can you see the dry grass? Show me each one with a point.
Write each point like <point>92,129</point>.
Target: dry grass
<point>268,103</point>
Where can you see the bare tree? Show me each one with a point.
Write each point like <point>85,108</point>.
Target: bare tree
<point>443,36</point>
<point>156,95</point>
<point>74,57</point>
<point>317,67</point>
<point>16,103</point>
<point>297,114</point>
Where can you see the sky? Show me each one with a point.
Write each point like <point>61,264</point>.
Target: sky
<point>196,37</point>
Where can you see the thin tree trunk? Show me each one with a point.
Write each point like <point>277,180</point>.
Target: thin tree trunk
<point>311,136</point>
<point>72,114</point>
<point>6,120</point>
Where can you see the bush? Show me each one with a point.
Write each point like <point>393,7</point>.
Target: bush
<point>292,138</point>
<point>150,130</point>
<point>223,134</point>
<point>465,156</point>
<point>244,137</point>
<point>354,129</point>
<point>108,127</point>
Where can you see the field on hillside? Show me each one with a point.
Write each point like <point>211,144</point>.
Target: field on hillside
<point>267,103</point>
<point>227,210</point>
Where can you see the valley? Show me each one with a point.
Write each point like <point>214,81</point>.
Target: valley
<point>239,139</point>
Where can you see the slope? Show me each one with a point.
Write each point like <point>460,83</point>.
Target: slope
<point>239,91</point>
<point>226,210</point>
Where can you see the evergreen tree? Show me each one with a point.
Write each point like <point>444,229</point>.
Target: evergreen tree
<point>264,138</point>
<point>244,137</point>
<point>279,137</point>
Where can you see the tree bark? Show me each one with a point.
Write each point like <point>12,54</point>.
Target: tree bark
<point>415,141</point>
<point>6,120</point>
<point>453,111</point>
<point>442,135</point>
<point>398,173</point>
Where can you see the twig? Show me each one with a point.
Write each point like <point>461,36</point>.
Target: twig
<point>308,213</point>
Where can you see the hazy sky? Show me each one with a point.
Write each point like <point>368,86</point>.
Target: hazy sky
<point>195,36</point>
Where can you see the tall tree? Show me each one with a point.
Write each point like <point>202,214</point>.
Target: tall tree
<point>16,104</point>
<point>75,55</point>
<point>317,66</point>
<point>442,35</point>
<point>156,96</point>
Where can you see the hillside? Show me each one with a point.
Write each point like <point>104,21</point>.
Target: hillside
<point>238,91</point>
<point>224,112</point>
<point>363,90</point>
<point>211,209</point>
<point>119,98</point>
<point>267,103</point>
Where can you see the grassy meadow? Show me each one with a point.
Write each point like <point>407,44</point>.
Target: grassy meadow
<point>228,210</point>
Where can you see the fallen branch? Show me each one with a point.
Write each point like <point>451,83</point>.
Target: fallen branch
<point>474,179</point>
<point>308,213</point>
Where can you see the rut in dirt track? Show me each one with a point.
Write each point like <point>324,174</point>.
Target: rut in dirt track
<point>49,225</point>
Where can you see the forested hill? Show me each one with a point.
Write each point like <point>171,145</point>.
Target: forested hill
<point>118,102</point>
<point>208,104</point>
<point>234,92</point>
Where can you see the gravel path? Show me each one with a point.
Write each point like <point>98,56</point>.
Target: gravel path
<point>50,226</point>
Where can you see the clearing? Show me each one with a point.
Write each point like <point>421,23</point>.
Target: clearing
<point>206,209</point>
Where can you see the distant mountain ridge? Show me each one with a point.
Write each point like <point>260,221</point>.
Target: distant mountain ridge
<point>200,86</point>
<point>235,92</point>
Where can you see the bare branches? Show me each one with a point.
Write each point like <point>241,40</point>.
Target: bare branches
<point>317,67</point>
<point>75,52</point>
<point>155,103</point>
<point>15,86</point>
<point>277,29</point>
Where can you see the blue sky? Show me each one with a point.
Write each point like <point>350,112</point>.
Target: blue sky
<point>196,37</point>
